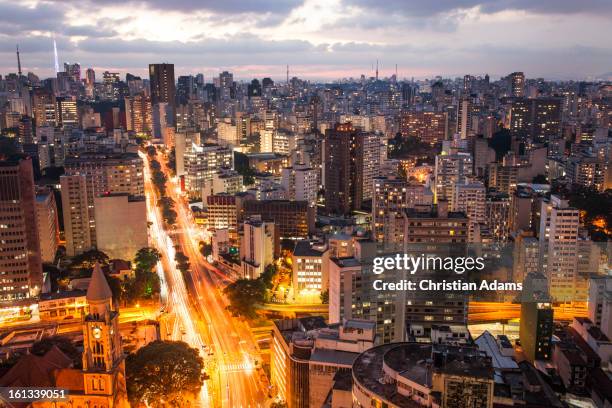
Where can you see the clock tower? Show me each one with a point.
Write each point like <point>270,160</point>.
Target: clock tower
<point>103,359</point>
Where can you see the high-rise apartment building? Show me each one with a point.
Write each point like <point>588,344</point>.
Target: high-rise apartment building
<point>558,235</point>
<point>66,112</point>
<point>20,260</point>
<point>388,205</point>
<point>43,107</point>
<point>163,87</point>
<point>451,169</point>
<point>309,271</point>
<point>600,303</point>
<point>201,163</point>
<point>464,118</point>
<point>87,177</point>
<point>300,182</point>
<point>517,84</point>
<point>429,127</point>
<point>120,215</point>
<point>351,161</point>
<point>306,354</point>
<point>139,114</point>
<point>48,225</point>
<point>536,318</point>
<point>257,246</point>
<point>293,219</point>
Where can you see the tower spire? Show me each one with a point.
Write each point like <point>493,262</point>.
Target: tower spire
<point>287,74</point>
<point>55,56</point>
<point>18,61</point>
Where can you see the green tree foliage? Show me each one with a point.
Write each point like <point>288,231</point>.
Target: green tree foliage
<point>168,212</point>
<point>244,295</point>
<point>164,373</point>
<point>88,259</point>
<point>172,161</point>
<point>325,297</point>
<point>151,151</point>
<point>146,258</point>
<point>401,147</point>
<point>145,283</point>
<point>182,261</point>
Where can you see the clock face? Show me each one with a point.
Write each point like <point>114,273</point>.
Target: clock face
<point>97,332</point>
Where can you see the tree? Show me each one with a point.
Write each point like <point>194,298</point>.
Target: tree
<point>182,261</point>
<point>325,297</point>
<point>151,151</point>
<point>171,163</point>
<point>244,294</point>
<point>146,258</point>
<point>540,179</point>
<point>164,373</point>
<point>88,259</point>
<point>42,346</point>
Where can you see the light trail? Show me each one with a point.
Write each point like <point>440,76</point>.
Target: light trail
<point>173,288</point>
<point>235,381</point>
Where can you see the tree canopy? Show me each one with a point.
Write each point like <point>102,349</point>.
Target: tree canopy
<point>164,373</point>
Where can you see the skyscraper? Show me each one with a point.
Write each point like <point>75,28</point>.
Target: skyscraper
<point>517,84</point>
<point>536,318</point>
<point>163,88</point>
<point>559,224</point>
<point>20,263</point>
<point>344,168</point>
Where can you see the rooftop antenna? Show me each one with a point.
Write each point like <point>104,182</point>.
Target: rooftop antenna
<point>18,61</point>
<point>287,74</point>
<point>55,55</point>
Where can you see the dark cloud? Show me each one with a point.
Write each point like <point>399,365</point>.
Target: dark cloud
<point>429,8</point>
<point>215,6</point>
<point>15,19</point>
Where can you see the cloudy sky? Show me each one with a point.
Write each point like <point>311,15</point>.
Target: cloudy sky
<point>319,39</point>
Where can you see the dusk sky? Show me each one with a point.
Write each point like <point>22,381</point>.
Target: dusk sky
<point>319,39</point>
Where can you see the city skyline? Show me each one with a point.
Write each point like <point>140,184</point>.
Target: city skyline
<point>318,40</point>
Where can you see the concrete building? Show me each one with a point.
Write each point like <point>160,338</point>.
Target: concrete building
<point>451,169</point>
<point>202,163</point>
<point>223,181</point>
<point>351,161</point>
<point>294,219</point>
<point>300,183</point>
<point>558,235</point>
<point>600,303</point>
<point>421,374</point>
<point>121,225</point>
<point>20,259</point>
<point>429,127</point>
<point>47,225</point>
<point>388,205</point>
<point>310,268</point>
<point>307,353</point>
<point>87,177</point>
<point>258,245</point>
<point>101,380</point>
<point>536,318</point>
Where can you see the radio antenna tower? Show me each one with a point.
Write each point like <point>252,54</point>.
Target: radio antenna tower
<point>377,70</point>
<point>18,61</point>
